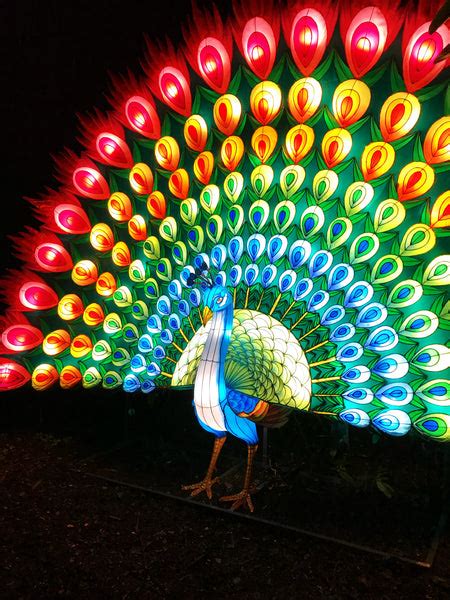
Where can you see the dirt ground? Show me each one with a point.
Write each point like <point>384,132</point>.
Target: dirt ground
<point>66,534</point>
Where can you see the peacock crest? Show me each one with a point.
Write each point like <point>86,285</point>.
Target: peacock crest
<point>303,172</point>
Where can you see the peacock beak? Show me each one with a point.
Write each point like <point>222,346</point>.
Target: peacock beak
<point>207,314</point>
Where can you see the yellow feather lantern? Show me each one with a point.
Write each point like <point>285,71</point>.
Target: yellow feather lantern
<point>167,153</point>
<point>376,160</point>
<point>264,141</point>
<point>299,141</point>
<point>227,114</point>
<point>304,99</point>
<point>232,152</point>
<point>265,101</point>
<point>336,145</point>
<point>85,273</point>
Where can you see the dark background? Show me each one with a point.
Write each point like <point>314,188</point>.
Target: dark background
<point>55,61</point>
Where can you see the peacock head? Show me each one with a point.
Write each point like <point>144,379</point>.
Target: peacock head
<point>215,299</point>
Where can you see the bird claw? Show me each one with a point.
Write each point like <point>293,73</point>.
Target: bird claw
<point>243,499</point>
<point>201,486</point>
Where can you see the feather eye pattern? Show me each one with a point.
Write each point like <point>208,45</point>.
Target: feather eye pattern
<point>306,174</point>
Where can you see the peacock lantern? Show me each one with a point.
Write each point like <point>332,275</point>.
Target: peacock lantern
<point>262,217</point>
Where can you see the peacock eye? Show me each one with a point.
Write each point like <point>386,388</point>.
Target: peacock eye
<point>221,300</point>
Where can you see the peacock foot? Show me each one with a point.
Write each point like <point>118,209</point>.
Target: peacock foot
<point>242,499</point>
<point>201,486</point>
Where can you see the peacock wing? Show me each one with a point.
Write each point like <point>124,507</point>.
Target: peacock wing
<point>264,360</point>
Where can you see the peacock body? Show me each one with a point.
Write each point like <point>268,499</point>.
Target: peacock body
<point>299,193</point>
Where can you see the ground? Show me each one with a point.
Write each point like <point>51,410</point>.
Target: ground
<point>66,534</point>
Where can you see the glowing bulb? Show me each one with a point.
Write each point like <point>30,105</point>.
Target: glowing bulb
<point>306,37</point>
<point>210,65</point>
<point>426,50</point>
<point>363,44</point>
<point>89,181</point>
<point>109,148</point>
<point>171,90</point>
<point>139,119</point>
<point>257,52</point>
<point>50,255</point>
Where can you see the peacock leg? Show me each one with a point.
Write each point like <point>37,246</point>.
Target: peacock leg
<point>208,481</point>
<point>244,498</point>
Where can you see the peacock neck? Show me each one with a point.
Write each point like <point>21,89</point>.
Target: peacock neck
<point>209,388</point>
<point>227,327</point>
<point>219,337</point>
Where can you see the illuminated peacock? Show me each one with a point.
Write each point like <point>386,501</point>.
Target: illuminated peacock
<point>262,218</point>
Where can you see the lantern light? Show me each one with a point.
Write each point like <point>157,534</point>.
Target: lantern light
<point>365,40</point>
<point>351,100</point>
<point>69,377</point>
<point>436,146</point>
<point>203,167</point>
<point>265,101</point>
<point>259,46</point>
<point>70,307</point>
<point>440,212</point>
<point>376,160</point>
<point>37,295</point>
<point>137,228</point>
<point>113,150</point>
<point>70,218</point>
<point>85,273</point>
<point>142,117</point>
<point>121,255</point>
<point>119,207</point>
<point>232,152</point>
<point>304,98</point>
<point>53,258</point>
<point>90,183</point>
<point>44,376</point>
<point>264,141</point>
<point>179,184</point>
<point>414,180</point>
<point>336,146</point>
<point>102,237</point>
<point>56,342</point>
<point>308,39</point>
<point>12,375</point>
<point>175,90</point>
<point>21,337</point>
<point>196,132</point>
<point>93,315</point>
<point>156,205</point>
<point>106,285</point>
<point>419,58</point>
<point>81,346</point>
<point>141,179</point>
<point>214,64</point>
<point>167,153</point>
<point>398,115</point>
<point>299,141</point>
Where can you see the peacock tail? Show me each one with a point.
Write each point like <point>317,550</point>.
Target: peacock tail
<point>306,171</point>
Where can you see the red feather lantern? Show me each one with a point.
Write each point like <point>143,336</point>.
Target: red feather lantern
<point>12,375</point>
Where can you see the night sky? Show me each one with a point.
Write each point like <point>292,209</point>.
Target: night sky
<point>56,57</point>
